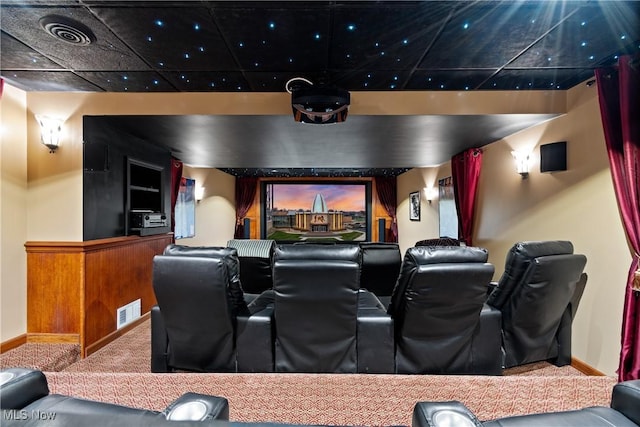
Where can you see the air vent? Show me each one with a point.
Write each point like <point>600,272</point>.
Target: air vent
<point>68,30</point>
<point>127,313</point>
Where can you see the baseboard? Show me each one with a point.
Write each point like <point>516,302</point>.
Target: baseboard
<point>13,343</point>
<point>113,335</point>
<point>586,369</point>
<point>53,338</point>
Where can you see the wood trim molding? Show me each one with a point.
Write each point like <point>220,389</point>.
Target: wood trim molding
<point>13,343</point>
<point>586,369</point>
<point>89,245</point>
<point>115,334</point>
<point>54,338</point>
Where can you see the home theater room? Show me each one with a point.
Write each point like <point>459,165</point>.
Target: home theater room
<point>330,213</point>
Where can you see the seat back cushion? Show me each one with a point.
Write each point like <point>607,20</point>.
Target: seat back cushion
<point>192,296</point>
<point>380,267</point>
<point>316,301</point>
<point>531,316</point>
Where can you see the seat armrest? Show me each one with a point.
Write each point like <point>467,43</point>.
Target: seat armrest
<point>375,343</point>
<point>20,386</point>
<point>197,407</point>
<point>159,342</point>
<point>443,414</point>
<point>254,341</point>
<point>491,288</point>
<point>626,399</point>
<point>487,343</point>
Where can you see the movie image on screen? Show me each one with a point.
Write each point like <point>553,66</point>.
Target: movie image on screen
<point>316,212</point>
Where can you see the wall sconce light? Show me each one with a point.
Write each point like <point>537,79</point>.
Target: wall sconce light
<point>199,194</point>
<point>50,130</point>
<point>522,163</point>
<point>430,193</point>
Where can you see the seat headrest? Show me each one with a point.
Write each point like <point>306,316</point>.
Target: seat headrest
<point>318,252</point>
<point>447,254</point>
<point>535,249</point>
<point>200,251</point>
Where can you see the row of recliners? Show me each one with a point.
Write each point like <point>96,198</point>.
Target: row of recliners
<point>25,400</point>
<point>443,316</point>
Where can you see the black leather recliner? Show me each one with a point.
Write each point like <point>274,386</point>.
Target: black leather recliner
<point>623,412</point>
<point>538,295</point>
<point>25,397</point>
<point>380,269</point>
<point>201,322</point>
<point>442,325</point>
<point>324,322</point>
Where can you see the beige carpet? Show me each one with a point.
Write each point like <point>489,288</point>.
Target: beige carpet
<point>132,353</point>
<point>348,399</point>
<point>42,356</point>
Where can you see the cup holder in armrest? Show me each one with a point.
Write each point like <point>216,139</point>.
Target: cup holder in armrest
<point>451,418</point>
<point>5,377</point>
<point>189,411</point>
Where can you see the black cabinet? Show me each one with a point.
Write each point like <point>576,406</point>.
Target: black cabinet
<point>145,198</point>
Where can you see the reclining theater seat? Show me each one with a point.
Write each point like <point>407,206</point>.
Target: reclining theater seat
<point>624,411</point>
<point>25,399</point>
<point>255,257</point>
<point>323,322</point>
<point>380,269</point>
<point>538,295</point>
<point>442,325</point>
<point>201,322</point>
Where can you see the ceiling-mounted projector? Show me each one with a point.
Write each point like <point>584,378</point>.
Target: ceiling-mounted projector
<point>319,105</point>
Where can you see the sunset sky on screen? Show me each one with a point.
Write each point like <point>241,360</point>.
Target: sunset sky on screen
<point>338,197</point>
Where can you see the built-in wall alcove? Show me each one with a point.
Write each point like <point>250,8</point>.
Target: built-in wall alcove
<point>111,158</point>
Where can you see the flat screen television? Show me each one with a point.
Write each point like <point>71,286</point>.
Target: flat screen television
<point>316,211</point>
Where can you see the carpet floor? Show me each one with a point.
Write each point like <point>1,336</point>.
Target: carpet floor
<point>348,399</point>
<point>132,353</point>
<point>120,373</point>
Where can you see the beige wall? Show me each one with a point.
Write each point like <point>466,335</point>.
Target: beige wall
<point>578,205</point>
<point>13,213</point>
<point>216,212</point>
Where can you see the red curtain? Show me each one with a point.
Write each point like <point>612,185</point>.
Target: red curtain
<point>619,96</point>
<point>387,193</point>
<point>465,169</point>
<point>245,193</point>
<point>176,176</point>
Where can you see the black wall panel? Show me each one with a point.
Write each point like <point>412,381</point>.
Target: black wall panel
<point>104,180</point>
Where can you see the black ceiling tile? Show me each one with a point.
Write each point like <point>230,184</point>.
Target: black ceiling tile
<point>392,36</point>
<point>201,81</point>
<point>50,81</point>
<point>490,34</point>
<point>371,80</point>
<point>448,80</point>
<point>17,56</point>
<point>591,36</point>
<point>106,52</point>
<point>540,79</point>
<point>274,38</point>
<point>277,81</point>
<point>169,37</point>
<point>132,81</point>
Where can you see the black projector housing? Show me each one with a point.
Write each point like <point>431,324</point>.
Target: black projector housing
<point>320,105</point>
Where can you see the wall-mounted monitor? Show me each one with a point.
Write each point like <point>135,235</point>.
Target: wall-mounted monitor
<point>316,211</point>
<point>553,157</point>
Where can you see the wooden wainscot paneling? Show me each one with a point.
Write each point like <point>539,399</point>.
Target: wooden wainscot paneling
<point>75,288</point>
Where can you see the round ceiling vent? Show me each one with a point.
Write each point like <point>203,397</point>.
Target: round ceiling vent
<point>68,30</point>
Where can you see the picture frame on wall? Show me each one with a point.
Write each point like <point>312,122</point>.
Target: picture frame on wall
<point>414,206</point>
